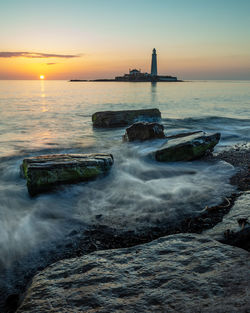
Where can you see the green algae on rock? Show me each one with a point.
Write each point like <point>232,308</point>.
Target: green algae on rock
<point>187,148</point>
<point>110,119</point>
<point>44,172</point>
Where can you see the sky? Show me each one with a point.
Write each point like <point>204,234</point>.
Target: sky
<point>87,39</point>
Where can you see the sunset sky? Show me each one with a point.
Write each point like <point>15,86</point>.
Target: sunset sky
<point>88,39</point>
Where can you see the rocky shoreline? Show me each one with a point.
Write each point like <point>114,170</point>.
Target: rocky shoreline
<point>209,234</point>
<point>238,156</point>
<point>101,237</point>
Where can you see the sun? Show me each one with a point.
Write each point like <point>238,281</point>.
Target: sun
<point>42,76</point>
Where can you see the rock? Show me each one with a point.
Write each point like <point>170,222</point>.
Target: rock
<point>46,171</point>
<point>12,303</point>
<point>181,273</point>
<point>123,118</point>
<point>186,148</point>
<point>235,226</point>
<point>144,131</point>
<point>238,156</point>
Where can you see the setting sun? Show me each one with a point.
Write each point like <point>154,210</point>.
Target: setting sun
<point>42,77</point>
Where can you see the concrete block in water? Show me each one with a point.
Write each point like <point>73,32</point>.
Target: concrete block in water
<point>44,172</point>
<point>187,148</point>
<point>109,119</point>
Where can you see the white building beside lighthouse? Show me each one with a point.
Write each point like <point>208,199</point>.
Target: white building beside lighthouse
<point>137,76</point>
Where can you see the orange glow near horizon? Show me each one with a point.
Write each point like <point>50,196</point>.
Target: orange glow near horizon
<point>104,65</point>
<point>93,39</point>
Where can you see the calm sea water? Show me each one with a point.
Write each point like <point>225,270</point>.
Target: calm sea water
<point>44,117</point>
<point>37,115</point>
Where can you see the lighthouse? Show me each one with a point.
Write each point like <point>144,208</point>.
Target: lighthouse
<point>154,63</point>
<point>137,76</point>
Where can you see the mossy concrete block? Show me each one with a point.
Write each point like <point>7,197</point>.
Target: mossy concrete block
<point>109,119</point>
<point>47,171</point>
<point>187,148</point>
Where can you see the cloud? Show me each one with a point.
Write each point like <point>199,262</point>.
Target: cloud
<point>32,55</point>
<point>50,63</point>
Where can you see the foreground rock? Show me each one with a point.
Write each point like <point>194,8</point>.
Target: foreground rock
<point>84,240</point>
<point>187,148</point>
<point>123,118</point>
<point>144,131</point>
<point>180,273</point>
<point>235,226</point>
<point>46,171</point>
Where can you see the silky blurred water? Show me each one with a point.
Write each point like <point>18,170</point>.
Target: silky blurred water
<point>45,117</point>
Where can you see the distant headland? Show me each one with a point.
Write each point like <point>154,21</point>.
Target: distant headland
<point>135,75</point>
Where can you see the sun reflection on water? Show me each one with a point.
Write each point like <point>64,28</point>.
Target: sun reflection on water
<point>44,106</point>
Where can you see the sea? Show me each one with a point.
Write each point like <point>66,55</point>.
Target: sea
<point>48,117</point>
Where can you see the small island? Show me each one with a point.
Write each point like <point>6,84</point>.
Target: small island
<point>135,75</point>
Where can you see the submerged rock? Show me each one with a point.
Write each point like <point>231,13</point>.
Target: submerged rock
<point>187,148</point>
<point>144,131</point>
<point>108,119</point>
<point>183,134</point>
<point>235,226</point>
<point>178,273</point>
<point>44,172</point>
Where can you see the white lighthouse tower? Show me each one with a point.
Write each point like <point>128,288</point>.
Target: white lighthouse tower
<point>154,63</point>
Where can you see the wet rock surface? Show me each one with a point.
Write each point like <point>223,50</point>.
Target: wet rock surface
<point>144,131</point>
<point>109,119</point>
<point>180,273</point>
<point>87,239</point>
<point>238,156</point>
<point>234,229</point>
<point>44,172</point>
<point>186,148</point>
